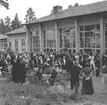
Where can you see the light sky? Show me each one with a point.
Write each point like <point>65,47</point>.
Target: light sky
<point>40,7</point>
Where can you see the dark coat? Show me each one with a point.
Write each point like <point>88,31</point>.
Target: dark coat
<point>75,72</point>
<point>69,65</point>
<point>22,72</point>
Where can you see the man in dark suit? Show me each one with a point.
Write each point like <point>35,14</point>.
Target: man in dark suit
<point>74,80</point>
<point>69,64</point>
<point>97,63</point>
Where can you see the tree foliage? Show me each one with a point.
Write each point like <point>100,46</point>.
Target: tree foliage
<point>30,15</point>
<point>15,23</point>
<point>2,26</point>
<point>4,3</point>
<point>76,5</point>
<point>70,6</point>
<point>7,22</point>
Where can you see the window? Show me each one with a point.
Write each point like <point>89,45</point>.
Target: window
<point>37,33</point>
<point>90,36</point>
<point>30,33</point>
<point>49,39</point>
<point>23,45</point>
<point>23,42</point>
<point>10,44</point>
<point>5,44</point>
<point>2,43</point>
<point>67,37</point>
<point>35,41</point>
<point>16,44</point>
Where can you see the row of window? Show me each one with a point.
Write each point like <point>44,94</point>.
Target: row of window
<point>3,44</point>
<point>89,38</point>
<point>16,43</point>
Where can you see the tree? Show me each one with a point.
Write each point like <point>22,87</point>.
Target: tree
<point>4,3</point>
<point>70,6</point>
<point>76,5</point>
<point>30,15</point>
<point>2,26</point>
<point>15,23</point>
<point>7,21</point>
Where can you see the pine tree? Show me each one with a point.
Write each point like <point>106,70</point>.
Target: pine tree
<point>7,21</point>
<point>30,15</point>
<point>2,26</point>
<point>15,23</point>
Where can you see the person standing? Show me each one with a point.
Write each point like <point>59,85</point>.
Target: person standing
<point>69,64</point>
<point>74,80</point>
<point>14,72</point>
<point>64,63</point>
<point>97,63</point>
<point>104,78</point>
<point>87,84</point>
<point>53,76</point>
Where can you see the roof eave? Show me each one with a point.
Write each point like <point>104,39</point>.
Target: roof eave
<point>66,17</point>
<point>15,33</point>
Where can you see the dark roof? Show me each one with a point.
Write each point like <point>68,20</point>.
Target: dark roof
<point>75,11</point>
<point>16,31</point>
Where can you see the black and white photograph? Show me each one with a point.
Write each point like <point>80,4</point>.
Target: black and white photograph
<point>53,52</point>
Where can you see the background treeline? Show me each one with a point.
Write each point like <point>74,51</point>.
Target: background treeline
<point>7,24</point>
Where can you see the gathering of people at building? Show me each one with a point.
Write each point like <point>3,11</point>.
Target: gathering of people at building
<point>85,65</point>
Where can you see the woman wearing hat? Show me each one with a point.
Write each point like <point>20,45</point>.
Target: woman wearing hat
<point>87,84</point>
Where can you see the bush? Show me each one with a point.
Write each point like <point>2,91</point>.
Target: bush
<point>31,94</point>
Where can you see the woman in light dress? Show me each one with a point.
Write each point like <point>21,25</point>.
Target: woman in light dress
<point>104,79</point>
<point>92,63</point>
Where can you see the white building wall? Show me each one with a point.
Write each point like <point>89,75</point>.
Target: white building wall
<point>48,25</point>
<point>34,27</point>
<point>69,22</point>
<point>12,38</point>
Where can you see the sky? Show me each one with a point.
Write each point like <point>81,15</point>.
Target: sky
<point>40,7</point>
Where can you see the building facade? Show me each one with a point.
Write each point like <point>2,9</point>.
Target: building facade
<point>16,40</point>
<point>3,42</point>
<point>81,28</point>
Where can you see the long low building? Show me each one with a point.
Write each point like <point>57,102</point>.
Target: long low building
<point>76,28</point>
<point>16,40</point>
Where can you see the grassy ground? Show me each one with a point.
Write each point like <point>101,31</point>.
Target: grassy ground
<point>30,94</point>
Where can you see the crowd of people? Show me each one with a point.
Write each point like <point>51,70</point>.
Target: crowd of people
<point>76,64</point>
